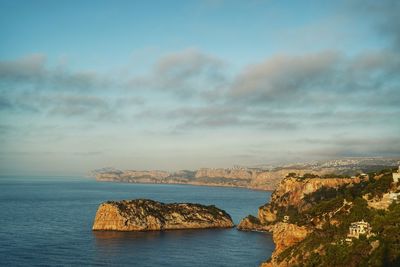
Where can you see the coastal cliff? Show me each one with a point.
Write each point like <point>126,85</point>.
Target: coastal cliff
<point>260,177</point>
<point>226,173</point>
<point>310,218</point>
<point>149,215</point>
<point>253,178</point>
<point>285,235</point>
<point>291,193</point>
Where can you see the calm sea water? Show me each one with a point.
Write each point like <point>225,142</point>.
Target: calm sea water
<point>47,221</point>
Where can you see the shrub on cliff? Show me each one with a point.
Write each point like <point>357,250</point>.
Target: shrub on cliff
<point>327,246</point>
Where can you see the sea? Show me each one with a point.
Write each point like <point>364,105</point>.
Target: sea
<point>46,221</point>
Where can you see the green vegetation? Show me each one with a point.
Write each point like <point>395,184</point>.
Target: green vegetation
<point>310,175</point>
<point>253,219</point>
<point>360,252</point>
<point>332,175</point>
<point>327,246</point>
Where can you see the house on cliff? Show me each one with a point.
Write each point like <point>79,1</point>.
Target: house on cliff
<point>286,218</point>
<point>396,176</point>
<point>359,228</point>
<point>394,196</point>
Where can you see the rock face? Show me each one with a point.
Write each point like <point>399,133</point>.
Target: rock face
<point>251,223</point>
<point>299,188</point>
<point>272,178</point>
<point>148,215</point>
<point>382,203</point>
<point>285,235</point>
<point>310,219</point>
<point>226,173</point>
<point>291,192</point>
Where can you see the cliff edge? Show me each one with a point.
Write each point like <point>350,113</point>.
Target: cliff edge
<point>332,221</point>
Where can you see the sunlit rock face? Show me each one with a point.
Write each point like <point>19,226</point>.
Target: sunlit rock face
<point>291,192</point>
<point>149,215</point>
<point>285,235</point>
<point>251,223</point>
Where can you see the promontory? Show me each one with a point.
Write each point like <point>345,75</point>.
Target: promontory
<point>149,215</point>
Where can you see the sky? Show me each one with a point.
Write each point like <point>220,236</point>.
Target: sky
<point>188,84</point>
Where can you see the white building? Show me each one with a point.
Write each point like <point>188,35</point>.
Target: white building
<point>394,196</point>
<point>286,218</point>
<point>396,176</point>
<point>359,228</point>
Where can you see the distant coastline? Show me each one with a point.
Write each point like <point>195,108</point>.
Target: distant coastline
<point>255,178</point>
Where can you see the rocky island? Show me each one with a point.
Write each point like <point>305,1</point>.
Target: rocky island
<point>332,221</point>
<point>149,215</point>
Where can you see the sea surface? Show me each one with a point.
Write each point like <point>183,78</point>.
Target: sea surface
<point>46,221</point>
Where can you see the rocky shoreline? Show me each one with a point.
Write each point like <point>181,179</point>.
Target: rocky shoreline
<point>250,178</point>
<point>309,219</point>
<point>290,192</point>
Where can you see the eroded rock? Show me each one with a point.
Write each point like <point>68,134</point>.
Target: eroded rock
<point>149,215</point>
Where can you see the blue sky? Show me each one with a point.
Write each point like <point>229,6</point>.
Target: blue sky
<point>189,84</point>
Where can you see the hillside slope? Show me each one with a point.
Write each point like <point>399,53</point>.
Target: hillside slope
<point>310,220</point>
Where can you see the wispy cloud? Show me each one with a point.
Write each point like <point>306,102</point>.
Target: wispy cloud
<point>318,79</point>
<point>185,74</point>
<point>32,72</point>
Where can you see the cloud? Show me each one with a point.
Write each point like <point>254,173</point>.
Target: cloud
<point>283,92</point>
<point>32,72</point>
<point>284,77</point>
<point>384,15</point>
<point>216,116</point>
<point>88,153</point>
<point>321,79</point>
<point>69,105</point>
<point>73,105</point>
<point>28,85</point>
<point>29,68</point>
<point>351,147</point>
<point>185,74</point>
<point>5,103</point>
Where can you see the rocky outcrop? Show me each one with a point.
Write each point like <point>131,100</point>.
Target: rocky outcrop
<point>272,178</point>
<point>285,235</point>
<point>226,173</point>
<point>308,217</point>
<point>291,192</point>
<point>113,175</point>
<point>380,203</point>
<point>148,215</point>
<point>266,214</point>
<point>251,223</point>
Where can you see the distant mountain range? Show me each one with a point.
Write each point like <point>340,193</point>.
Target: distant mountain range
<point>260,177</point>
